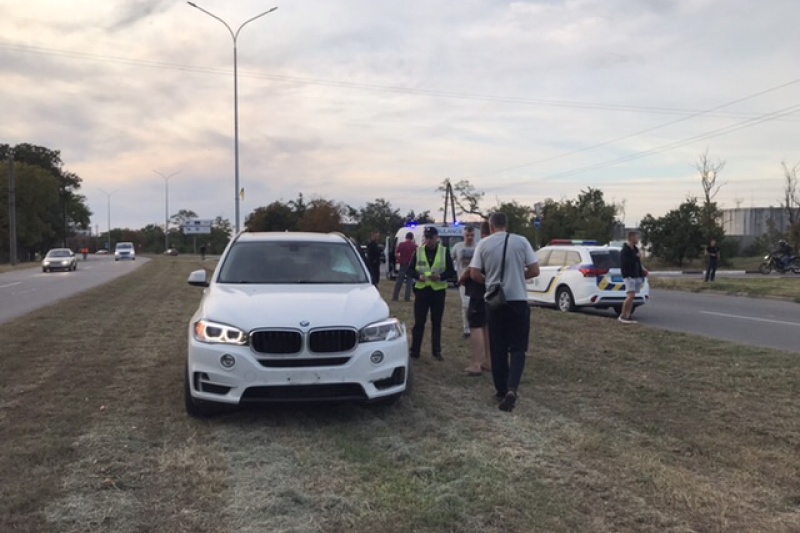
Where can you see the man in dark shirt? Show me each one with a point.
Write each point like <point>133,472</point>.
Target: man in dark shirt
<point>431,267</point>
<point>405,251</point>
<point>712,253</point>
<point>632,273</point>
<point>374,258</point>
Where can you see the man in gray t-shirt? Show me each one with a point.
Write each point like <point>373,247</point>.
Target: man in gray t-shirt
<point>509,326</point>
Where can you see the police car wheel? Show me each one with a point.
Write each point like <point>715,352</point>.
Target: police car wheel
<point>564,300</point>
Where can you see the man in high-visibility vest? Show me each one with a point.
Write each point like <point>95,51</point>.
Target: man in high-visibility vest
<point>431,267</point>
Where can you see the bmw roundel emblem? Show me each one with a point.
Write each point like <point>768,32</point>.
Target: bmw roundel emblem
<point>305,323</point>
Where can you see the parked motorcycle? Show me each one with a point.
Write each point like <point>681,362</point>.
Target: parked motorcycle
<point>774,262</point>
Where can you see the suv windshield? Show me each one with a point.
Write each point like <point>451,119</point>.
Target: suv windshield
<point>124,246</point>
<point>605,260</point>
<point>292,262</point>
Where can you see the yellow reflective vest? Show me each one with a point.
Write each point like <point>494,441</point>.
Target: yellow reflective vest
<point>439,266</point>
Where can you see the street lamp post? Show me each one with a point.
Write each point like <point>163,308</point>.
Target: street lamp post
<point>166,206</point>
<point>108,195</point>
<point>234,36</point>
<point>12,209</point>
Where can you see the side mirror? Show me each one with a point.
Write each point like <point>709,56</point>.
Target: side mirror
<point>198,278</point>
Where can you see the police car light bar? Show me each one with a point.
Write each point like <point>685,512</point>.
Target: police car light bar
<point>576,242</point>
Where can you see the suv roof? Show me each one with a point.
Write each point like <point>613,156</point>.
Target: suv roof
<point>290,236</point>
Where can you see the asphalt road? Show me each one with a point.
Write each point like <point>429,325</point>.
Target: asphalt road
<point>22,291</point>
<point>752,321</point>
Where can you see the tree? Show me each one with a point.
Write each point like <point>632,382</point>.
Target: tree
<point>520,218</point>
<point>321,215</point>
<point>791,202</point>
<point>466,197</point>
<point>277,216</point>
<point>377,216</point>
<point>69,211</point>
<point>678,235</point>
<point>587,217</point>
<point>414,218</point>
<point>710,213</point>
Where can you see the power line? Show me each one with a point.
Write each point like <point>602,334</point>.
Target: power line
<point>373,87</point>
<point>669,146</point>
<point>648,130</point>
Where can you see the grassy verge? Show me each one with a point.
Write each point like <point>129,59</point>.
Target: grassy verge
<point>734,263</point>
<point>773,286</point>
<point>618,429</point>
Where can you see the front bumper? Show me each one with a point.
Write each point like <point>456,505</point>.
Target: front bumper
<point>257,378</point>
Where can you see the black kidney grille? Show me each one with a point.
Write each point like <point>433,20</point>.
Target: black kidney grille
<point>276,341</point>
<point>332,340</point>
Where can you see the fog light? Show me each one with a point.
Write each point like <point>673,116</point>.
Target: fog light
<point>227,361</point>
<point>376,357</point>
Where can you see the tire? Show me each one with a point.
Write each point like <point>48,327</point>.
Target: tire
<point>765,268</point>
<point>564,300</point>
<point>197,408</point>
<point>617,310</point>
<point>44,270</point>
<point>795,265</point>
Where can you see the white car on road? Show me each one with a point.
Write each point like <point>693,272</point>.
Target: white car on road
<point>576,274</point>
<point>292,317</point>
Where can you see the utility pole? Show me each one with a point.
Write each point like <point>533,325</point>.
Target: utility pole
<point>12,210</point>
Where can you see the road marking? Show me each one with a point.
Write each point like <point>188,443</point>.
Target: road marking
<point>10,284</point>
<point>752,318</point>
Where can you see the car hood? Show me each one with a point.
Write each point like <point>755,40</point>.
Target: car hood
<point>287,306</point>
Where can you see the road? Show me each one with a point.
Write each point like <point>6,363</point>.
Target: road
<point>23,291</point>
<point>752,321</point>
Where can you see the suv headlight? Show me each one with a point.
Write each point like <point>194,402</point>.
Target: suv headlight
<point>385,330</point>
<point>216,333</point>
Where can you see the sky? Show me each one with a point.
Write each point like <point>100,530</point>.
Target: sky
<point>353,100</point>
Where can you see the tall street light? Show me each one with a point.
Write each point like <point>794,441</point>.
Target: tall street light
<point>108,195</point>
<point>12,209</point>
<point>166,206</point>
<point>234,36</point>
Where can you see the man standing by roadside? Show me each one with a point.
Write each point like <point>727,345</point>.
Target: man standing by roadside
<point>510,324</point>
<point>462,253</point>
<point>632,273</point>
<point>431,267</point>
<point>374,258</point>
<point>476,314</point>
<point>403,254</point>
<point>712,254</point>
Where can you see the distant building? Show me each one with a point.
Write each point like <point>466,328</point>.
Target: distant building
<point>746,224</point>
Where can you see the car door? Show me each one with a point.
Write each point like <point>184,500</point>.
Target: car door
<point>543,289</point>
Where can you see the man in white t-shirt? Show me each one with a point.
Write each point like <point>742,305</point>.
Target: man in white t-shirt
<point>509,326</point>
<point>462,253</point>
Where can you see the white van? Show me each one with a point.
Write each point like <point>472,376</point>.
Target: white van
<point>124,250</point>
<point>449,234</point>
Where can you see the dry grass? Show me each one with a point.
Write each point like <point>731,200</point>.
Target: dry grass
<point>774,286</point>
<point>618,429</point>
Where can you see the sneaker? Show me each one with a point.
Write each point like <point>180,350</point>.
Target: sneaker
<point>509,401</point>
<point>413,355</point>
<point>625,320</point>
<point>438,357</point>
<point>466,334</point>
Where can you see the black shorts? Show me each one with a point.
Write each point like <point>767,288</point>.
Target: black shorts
<point>476,312</point>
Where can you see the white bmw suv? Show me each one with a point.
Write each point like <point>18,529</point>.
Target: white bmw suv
<point>577,274</point>
<point>292,317</point>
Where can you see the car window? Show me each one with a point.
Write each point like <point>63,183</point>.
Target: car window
<point>573,258</point>
<point>605,260</point>
<point>543,256</point>
<point>292,262</point>
<point>557,258</point>
<point>124,246</point>
<point>58,253</point>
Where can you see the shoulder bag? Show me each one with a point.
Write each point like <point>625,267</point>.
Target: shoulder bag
<point>495,296</point>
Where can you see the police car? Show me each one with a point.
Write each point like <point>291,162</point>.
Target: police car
<point>576,274</point>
